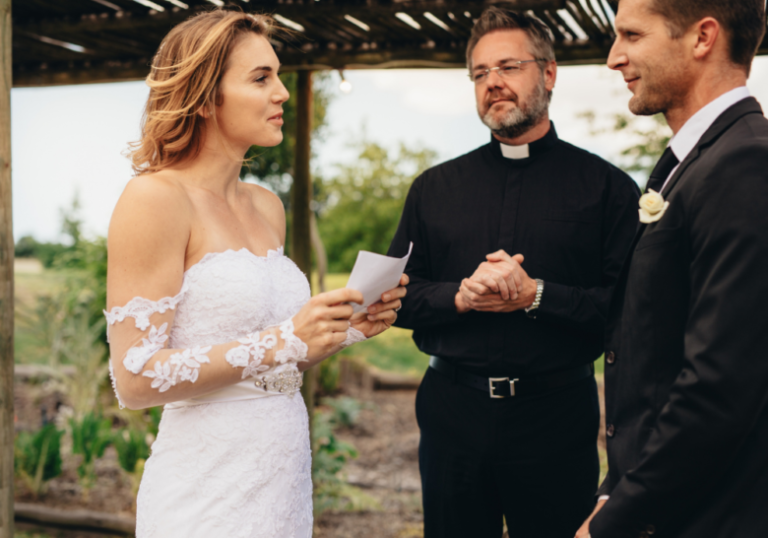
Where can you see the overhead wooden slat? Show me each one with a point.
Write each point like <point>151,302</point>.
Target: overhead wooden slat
<point>585,21</point>
<point>121,42</point>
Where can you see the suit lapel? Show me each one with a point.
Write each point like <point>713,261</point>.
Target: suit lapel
<point>723,122</point>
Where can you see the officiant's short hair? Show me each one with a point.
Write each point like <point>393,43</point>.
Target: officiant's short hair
<point>742,20</point>
<point>495,18</point>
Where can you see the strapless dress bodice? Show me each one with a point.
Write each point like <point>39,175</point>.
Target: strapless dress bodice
<point>228,295</point>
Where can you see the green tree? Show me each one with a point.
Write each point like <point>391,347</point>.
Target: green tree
<point>650,140</point>
<point>362,204</point>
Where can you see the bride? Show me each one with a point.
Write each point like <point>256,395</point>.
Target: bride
<point>206,315</point>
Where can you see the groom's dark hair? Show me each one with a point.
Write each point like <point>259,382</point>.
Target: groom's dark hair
<point>742,20</point>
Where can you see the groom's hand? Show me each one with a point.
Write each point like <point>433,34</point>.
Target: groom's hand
<point>583,531</point>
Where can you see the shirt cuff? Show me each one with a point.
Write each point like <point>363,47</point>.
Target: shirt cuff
<point>553,297</point>
<point>603,498</point>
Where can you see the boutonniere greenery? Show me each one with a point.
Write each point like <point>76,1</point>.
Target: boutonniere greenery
<point>652,207</point>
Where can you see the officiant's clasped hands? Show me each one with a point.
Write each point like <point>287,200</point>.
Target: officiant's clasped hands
<point>499,284</point>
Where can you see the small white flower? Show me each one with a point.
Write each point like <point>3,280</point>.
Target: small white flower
<point>652,207</point>
<point>239,356</point>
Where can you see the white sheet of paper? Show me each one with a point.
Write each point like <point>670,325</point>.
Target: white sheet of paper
<point>373,274</point>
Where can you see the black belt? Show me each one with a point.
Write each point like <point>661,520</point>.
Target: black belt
<point>504,387</point>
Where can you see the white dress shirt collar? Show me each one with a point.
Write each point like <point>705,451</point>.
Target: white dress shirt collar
<point>686,139</point>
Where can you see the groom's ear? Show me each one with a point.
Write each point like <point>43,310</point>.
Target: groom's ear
<point>705,36</point>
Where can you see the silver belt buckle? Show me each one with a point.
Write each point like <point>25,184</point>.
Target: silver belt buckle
<point>492,389</point>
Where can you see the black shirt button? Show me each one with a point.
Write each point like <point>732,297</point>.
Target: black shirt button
<point>610,431</point>
<point>610,357</point>
<point>650,529</point>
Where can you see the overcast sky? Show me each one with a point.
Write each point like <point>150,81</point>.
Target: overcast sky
<point>73,138</point>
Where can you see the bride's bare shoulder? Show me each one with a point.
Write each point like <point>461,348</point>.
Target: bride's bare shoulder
<point>268,204</point>
<point>158,199</point>
<point>150,227</point>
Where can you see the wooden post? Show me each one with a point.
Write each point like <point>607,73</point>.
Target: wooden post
<point>6,279</point>
<point>301,196</point>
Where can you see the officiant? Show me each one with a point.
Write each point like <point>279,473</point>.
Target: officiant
<point>517,247</point>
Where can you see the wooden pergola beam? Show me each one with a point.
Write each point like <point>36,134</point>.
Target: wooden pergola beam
<point>301,198</point>
<point>59,74</point>
<point>6,278</point>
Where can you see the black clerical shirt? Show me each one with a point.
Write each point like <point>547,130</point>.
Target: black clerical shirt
<point>570,213</point>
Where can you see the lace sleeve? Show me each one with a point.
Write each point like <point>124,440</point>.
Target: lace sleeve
<point>146,373</point>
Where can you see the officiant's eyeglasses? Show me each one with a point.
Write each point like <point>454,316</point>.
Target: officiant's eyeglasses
<point>505,71</point>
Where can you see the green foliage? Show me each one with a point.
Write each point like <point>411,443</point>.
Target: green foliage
<point>361,205</point>
<point>328,375</point>
<point>29,247</point>
<point>131,446</point>
<point>91,435</point>
<point>155,414</point>
<point>63,324</point>
<point>332,492</point>
<point>393,351</point>
<point>344,410</point>
<point>274,166</point>
<point>37,457</point>
<point>650,140</point>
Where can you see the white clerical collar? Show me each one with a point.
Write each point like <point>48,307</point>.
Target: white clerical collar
<point>686,138</point>
<point>515,152</point>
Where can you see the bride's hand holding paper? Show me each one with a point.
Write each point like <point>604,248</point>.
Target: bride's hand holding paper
<point>381,281</point>
<point>381,315</point>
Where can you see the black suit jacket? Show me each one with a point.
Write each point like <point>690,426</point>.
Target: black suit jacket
<point>687,351</point>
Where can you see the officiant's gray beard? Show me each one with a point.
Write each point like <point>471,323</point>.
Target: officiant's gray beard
<point>522,118</point>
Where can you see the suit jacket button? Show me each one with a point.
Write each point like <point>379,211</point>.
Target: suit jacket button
<point>610,431</point>
<point>650,529</point>
<point>610,357</point>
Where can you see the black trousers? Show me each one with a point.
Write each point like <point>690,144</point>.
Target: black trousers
<point>532,460</point>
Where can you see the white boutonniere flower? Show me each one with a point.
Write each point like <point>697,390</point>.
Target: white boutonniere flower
<point>652,207</point>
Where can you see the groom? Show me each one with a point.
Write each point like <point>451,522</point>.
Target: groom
<point>687,349</point>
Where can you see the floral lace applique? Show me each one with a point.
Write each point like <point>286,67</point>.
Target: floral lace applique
<point>138,356</point>
<point>353,337</point>
<point>250,355</point>
<point>184,366</point>
<point>140,309</point>
<point>295,350</point>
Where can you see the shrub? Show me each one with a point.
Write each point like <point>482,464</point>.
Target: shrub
<point>91,435</point>
<point>37,457</point>
<point>332,492</point>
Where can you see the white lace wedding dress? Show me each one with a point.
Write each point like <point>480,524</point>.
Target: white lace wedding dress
<point>234,462</point>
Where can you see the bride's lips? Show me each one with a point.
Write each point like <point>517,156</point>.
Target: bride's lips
<point>277,119</point>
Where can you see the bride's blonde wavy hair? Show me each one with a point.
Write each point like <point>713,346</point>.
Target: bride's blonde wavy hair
<point>184,81</point>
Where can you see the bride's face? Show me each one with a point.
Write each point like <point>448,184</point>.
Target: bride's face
<point>250,110</point>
